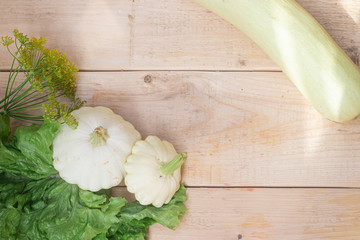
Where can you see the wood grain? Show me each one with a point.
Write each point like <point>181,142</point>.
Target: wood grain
<point>271,214</point>
<point>240,129</point>
<point>92,33</point>
<point>159,35</point>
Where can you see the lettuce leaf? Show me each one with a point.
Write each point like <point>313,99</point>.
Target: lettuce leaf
<point>5,130</point>
<point>53,209</point>
<point>29,153</point>
<point>136,218</point>
<point>167,215</point>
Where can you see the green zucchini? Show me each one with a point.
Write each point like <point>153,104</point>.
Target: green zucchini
<point>302,48</point>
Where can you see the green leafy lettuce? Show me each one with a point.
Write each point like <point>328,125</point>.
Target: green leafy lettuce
<point>36,204</point>
<point>53,209</point>
<point>29,153</point>
<point>136,218</point>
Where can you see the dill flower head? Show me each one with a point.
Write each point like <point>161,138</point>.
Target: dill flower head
<point>50,77</point>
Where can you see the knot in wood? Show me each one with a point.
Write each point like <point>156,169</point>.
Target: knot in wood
<point>147,79</point>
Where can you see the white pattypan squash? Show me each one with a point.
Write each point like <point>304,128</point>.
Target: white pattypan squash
<point>93,155</point>
<point>153,171</point>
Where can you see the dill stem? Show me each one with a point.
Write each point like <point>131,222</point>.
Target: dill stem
<point>15,58</point>
<point>25,99</point>
<point>2,100</point>
<point>25,120</point>
<point>11,74</point>
<point>27,105</point>
<point>14,78</point>
<point>14,100</point>
<point>18,89</point>
<point>27,115</point>
<point>10,92</point>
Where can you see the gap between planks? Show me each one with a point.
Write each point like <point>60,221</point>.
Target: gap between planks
<point>264,187</point>
<point>166,70</point>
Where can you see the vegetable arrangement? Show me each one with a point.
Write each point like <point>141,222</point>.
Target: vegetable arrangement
<point>55,175</point>
<point>305,52</point>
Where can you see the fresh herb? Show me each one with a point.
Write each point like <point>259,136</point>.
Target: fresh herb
<point>49,76</point>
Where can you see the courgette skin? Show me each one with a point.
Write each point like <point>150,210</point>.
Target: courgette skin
<point>302,48</point>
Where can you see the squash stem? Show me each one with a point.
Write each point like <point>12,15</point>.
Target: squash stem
<point>98,137</point>
<point>174,164</point>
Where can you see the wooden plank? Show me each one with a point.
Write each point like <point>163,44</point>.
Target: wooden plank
<point>240,129</point>
<point>94,34</point>
<point>124,34</point>
<point>271,214</point>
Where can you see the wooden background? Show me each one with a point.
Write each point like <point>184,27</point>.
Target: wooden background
<point>263,164</point>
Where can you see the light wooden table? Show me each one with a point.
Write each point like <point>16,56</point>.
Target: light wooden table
<point>263,164</point>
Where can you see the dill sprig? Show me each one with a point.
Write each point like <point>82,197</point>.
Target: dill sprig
<point>49,76</point>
